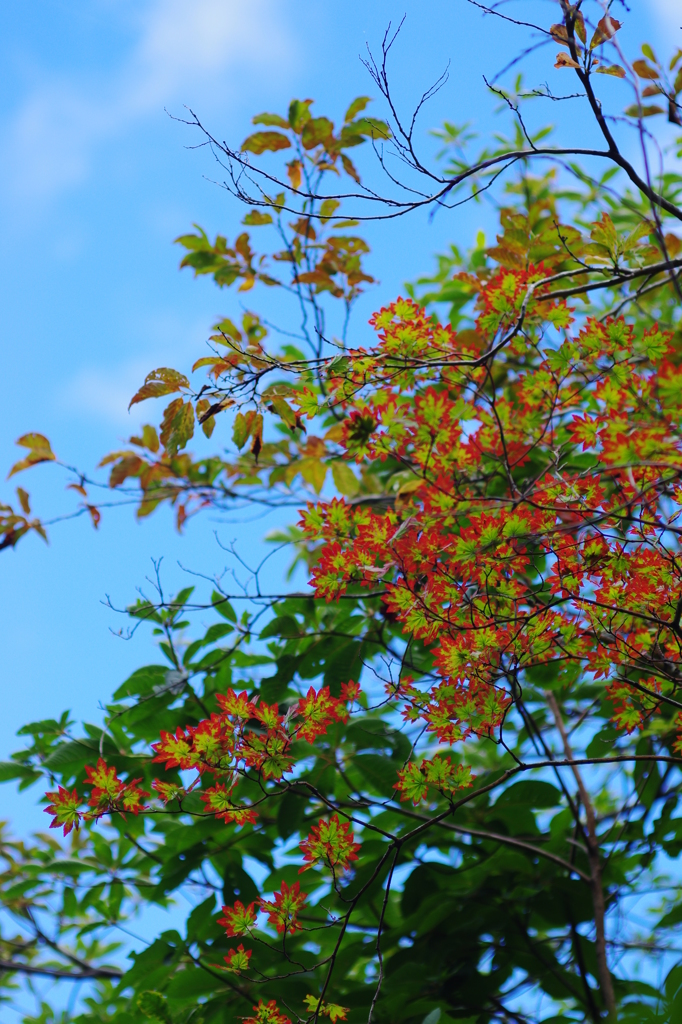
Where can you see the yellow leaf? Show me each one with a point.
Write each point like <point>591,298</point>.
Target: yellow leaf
<point>611,69</point>
<point>40,451</point>
<point>314,472</point>
<point>580,26</point>
<point>410,486</point>
<point>345,479</point>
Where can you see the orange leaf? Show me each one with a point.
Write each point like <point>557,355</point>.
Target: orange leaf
<point>294,171</point>
<point>606,29</point>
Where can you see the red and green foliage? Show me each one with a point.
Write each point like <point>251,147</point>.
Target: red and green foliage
<point>467,731</point>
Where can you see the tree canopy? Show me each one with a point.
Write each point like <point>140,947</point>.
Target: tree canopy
<point>442,782</point>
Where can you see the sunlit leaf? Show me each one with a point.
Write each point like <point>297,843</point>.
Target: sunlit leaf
<point>162,381</point>
<point>356,107</point>
<point>257,217</point>
<point>261,142</point>
<point>606,29</point>
<point>273,120</point>
<point>611,69</point>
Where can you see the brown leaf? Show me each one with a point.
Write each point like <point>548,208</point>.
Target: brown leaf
<point>128,466</point>
<point>644,70</point>
<point>559,33</point>
<point>206,410</point>
<point>564,60</point>
<point>314,277</point>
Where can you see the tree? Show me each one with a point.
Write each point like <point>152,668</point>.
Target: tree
<point>457,757</point>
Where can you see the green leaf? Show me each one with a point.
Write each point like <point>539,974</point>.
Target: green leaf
<point>284,410</point>
<point>10,770</point>
<point>273,120</point>
<point>381,773</point>
<point>317,131</point>
<point>242,428</point>
<point>299,113</point>
<point>177,425</point>
<point>356,107</point>
<point>328,208</point>
<point>154,1005</point>
<point>257,217</point>
<point>636,110</point>
<point>223,606</point>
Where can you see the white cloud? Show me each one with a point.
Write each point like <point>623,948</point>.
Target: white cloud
<point>105,394</point>
<point>102,393</point>
<point>669,14</point>
<point>185,52</point>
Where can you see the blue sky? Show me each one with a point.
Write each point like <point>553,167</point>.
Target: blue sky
<point>95,182</point>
